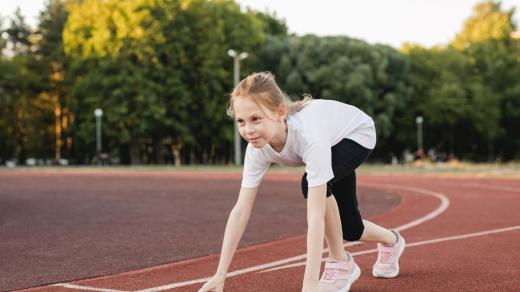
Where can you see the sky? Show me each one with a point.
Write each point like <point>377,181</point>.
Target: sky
<point>425,22</point>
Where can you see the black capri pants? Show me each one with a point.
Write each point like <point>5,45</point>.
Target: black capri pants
<point>347,155</point>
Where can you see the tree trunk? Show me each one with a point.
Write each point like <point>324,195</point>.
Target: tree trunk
<point>176,153</point>
<point>21,136</point>
<point>57,131</point>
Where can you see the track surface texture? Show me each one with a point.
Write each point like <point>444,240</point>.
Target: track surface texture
<point>163,232</point>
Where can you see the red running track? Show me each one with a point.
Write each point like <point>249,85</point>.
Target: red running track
<point>463,234</point>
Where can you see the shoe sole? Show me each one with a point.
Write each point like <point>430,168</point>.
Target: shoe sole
<point>355,275</point>
<point>396,273</point>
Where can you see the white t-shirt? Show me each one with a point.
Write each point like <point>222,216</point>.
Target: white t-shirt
<point>311,133</point>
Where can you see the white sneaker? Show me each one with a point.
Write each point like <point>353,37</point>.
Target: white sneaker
<point>387,264</point>
<point>338,276</point>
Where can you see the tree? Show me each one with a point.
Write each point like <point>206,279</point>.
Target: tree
<point>371,77</point>
<point>51,64</point>
<point>153,66</point>
<point>3,37</point>
<point>487,39</point>
<point>271,24</point>
<point>488,22</point>
<point>19,33</point>
<point>20,84</point>
<point>460,112</point>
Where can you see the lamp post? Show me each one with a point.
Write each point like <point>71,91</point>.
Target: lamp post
<point>419,121</point>
<point>236,72</point>
<point>98,113</point>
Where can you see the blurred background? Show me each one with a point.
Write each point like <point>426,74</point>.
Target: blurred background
<point>146,82</point>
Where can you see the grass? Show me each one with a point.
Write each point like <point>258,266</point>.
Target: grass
<point>454,168</point>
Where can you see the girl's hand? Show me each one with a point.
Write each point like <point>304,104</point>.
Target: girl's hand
<point>310,287</point>
<point>216,283</point>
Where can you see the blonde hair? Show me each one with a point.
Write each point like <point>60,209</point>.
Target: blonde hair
<point>262,89</point>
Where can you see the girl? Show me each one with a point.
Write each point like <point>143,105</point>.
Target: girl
<point>331,139</point>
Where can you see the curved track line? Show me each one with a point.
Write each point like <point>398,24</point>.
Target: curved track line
<point>445,203</point>
<point>443,206</point>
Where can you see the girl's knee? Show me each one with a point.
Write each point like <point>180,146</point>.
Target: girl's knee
<point>353,233</point>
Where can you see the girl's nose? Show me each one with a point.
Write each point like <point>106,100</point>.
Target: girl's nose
<point>249,129</point>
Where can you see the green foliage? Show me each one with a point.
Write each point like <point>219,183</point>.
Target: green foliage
<point>7,116</point>
<point>3,37</point>
<point>20,132</point>
<point>487,41</point>
<point>449,94</point>
<point>51,64</point>
<point>488,22</point>
<point>372,78</point>
<point>271,24</point>
<point>18,33</point>
<point>159,69</point>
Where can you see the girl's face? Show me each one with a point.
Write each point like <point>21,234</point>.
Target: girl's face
<point>253,124</point>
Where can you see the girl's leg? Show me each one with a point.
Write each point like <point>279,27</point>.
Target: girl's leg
<point>333,226</point>
<point>376,233</point>
<point>333,233</point>
<point>353,227</point>
<point>342,218</point>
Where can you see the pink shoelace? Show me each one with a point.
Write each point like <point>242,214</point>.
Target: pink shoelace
<point>386,257</point>
<point>329,274</point>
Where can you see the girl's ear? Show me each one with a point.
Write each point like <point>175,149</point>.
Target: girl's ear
<point>282,112</point>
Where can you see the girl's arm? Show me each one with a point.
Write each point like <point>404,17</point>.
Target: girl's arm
<point>235,227</point>
<point>316,203</point>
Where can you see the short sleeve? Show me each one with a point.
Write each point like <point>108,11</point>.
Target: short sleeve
<point>255,167</point>
<point>317,157</point>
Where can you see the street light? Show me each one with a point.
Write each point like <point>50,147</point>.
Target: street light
<point>98,113</point>
<point>419,120</point>
<point>236,65</point>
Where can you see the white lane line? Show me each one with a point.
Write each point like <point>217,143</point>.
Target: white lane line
<point>484,186</point>
<point>469,235</point>
<point>408,245</point>
<point>444,205</point>
<point>72,286</point>
<point>445,202</point>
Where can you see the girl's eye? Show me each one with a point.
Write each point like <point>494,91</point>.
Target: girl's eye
<point>256,119</point>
